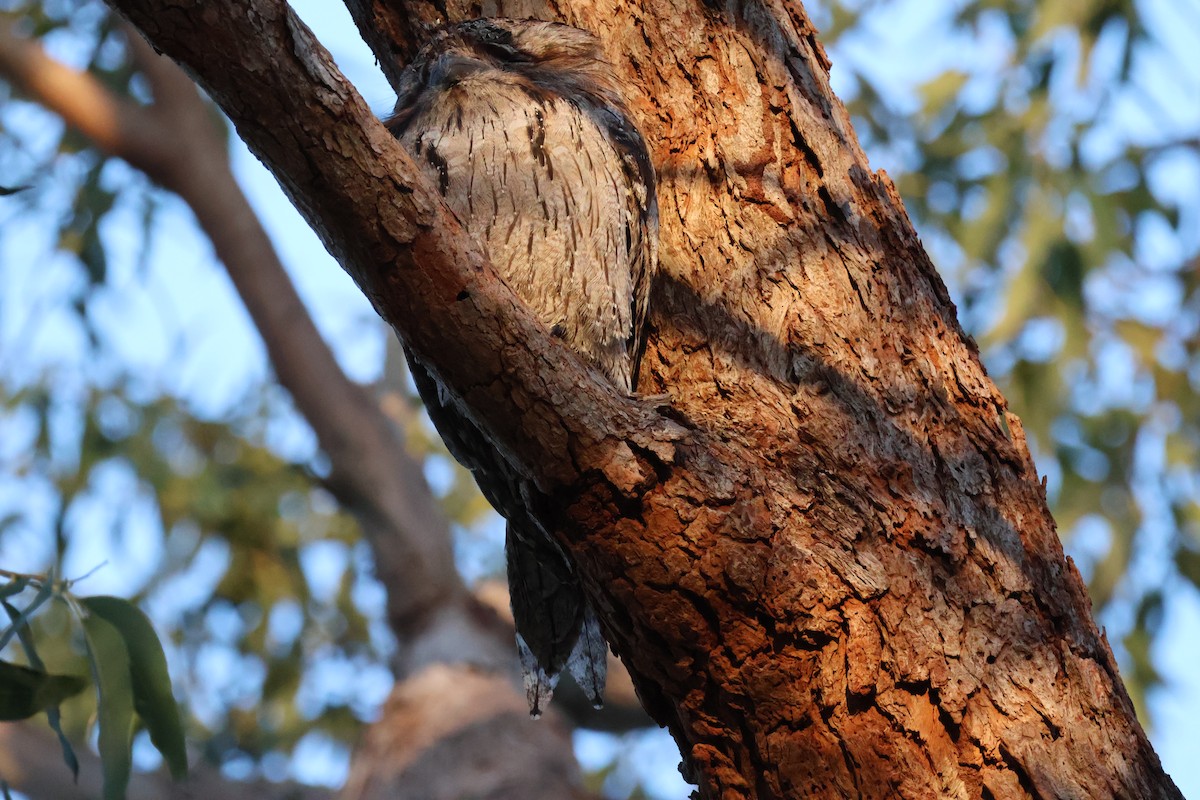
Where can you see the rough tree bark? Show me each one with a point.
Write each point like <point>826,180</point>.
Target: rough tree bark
<point>828,561</point>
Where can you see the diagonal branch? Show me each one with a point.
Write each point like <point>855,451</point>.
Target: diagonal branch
<point>118,126</point>
<point>176,139</point>
<point>389,230</point>
<point>392,32</point>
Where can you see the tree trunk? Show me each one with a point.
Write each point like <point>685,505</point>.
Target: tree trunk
<point>827,560</point>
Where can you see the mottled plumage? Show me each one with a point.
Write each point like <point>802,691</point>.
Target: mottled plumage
<point>521,126</point>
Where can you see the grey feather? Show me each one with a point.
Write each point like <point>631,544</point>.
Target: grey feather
<point>588,662</point>
<point>522,127</point>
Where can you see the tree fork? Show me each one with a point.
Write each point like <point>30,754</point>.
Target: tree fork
<point>828,563</point>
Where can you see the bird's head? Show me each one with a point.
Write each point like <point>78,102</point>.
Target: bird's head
<point>546,59</point>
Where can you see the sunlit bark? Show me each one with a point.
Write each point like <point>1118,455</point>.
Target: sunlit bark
<point>827,559</point>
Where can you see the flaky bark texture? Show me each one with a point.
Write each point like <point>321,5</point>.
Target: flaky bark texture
<point>828,561</point>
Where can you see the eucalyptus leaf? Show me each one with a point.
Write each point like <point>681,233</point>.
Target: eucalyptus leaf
<point>25,691</point>
<point>109,660</point>
<point>151,683</point>
<point>18,691</point>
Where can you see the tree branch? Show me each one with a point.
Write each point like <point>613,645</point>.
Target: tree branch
<point>394,33</point>
<point>829,565</point>
<point>118,126</point>
<point>176,140</point>
<point>466,734</point>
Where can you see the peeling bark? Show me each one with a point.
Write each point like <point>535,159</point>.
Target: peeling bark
<point>827,561</point>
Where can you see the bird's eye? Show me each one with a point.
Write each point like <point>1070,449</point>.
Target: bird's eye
<point>506,52</point>
<point>450,69</point>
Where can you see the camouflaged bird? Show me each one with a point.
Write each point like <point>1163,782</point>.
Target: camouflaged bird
<point>521,126</point>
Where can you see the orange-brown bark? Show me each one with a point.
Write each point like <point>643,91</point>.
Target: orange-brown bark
<point>827,561</point>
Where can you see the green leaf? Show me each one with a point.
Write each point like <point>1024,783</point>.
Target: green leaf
<point>58,688</point>
<point>25,691</point>
<point>151,683</point>
<point>22,631</point>
<point>18,689</point>
<point>53,716</point>
<point>109,660</point>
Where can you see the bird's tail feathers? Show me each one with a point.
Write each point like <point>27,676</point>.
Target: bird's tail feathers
<point>588,662</point>
<point>539,685</point>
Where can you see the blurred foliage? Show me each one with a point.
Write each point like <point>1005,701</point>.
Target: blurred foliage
<point>1036,145</point>
<point>230,514</point>
<point>262,585</point>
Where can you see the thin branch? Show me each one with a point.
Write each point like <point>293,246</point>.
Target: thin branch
<point>432,614</point>
<point>116,125</point>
